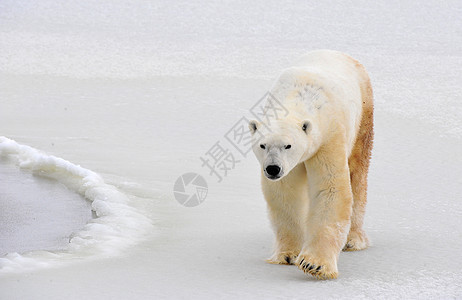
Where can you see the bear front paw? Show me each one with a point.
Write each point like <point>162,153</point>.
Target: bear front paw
<point>319,268</point>
<point>283,258</point>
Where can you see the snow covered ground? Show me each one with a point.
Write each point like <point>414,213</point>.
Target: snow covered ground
<point>138,91</point>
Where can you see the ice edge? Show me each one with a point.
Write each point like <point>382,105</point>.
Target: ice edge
<point>116,227</point>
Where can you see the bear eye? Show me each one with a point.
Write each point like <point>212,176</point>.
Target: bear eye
<point>262,146</point>
<point>288,146</point>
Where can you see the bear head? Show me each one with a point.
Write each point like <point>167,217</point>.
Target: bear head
<point>282,144</point>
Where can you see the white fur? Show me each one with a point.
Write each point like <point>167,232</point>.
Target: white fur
<point>310,199</point>
<point>315,74</point>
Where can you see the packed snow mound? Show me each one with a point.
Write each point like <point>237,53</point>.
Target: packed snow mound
<point>117,224</point>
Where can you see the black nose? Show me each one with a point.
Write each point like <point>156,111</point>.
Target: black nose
<point>273,170</point>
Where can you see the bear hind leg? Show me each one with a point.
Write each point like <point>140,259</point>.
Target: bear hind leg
<point>357,238</point>
<point>359,166</point>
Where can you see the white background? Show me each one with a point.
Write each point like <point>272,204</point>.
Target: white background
<point>137,91</point>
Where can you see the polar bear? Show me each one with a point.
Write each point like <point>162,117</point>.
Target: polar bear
<point>315,159</point>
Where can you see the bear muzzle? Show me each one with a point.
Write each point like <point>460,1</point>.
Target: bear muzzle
<point>273,172</point>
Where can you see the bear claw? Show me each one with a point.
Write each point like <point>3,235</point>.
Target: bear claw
<point>283,258</point>
<point>319,271</point>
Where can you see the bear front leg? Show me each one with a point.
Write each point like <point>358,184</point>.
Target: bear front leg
<point>328,221</point>
<point>288,241</point>
<point>286,200</point>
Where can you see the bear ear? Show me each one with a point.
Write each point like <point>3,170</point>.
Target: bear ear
<point>253,125</point>
<point>306,126</point>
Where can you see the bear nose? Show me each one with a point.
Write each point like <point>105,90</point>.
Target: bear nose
<point>273,170</point>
